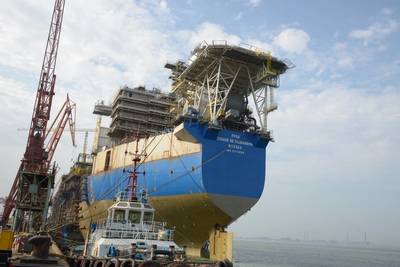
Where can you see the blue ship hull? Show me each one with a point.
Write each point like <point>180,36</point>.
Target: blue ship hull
<point>220,182</point>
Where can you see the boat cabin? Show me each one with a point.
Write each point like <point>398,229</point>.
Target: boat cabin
<point>130,213</point>
<point>130,223</point>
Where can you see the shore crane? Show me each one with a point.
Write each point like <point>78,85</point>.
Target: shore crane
<point>31,189</point>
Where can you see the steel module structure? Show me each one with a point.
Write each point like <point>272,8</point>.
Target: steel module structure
<point>219,80</point>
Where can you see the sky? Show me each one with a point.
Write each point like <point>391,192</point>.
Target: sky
<point>334,168</point>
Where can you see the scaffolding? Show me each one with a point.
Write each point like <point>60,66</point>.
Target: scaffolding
<point>137,110</point>
<point>63,222</point>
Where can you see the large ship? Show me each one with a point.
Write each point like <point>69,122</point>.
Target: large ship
<point>203,145</point>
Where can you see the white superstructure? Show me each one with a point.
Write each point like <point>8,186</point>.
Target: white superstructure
<point>130,231</point>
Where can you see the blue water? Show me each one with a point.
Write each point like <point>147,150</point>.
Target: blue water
<point>249,253</point>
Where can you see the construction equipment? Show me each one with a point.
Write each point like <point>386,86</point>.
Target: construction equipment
<point>34,188</point>
<point>84,154</point>
<point>30,192</point>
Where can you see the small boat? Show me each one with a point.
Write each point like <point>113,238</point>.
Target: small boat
<point>131,232</point>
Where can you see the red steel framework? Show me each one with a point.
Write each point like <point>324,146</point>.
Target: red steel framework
<point>137,158</point>
<point>37,156</point>
<point>133,175</point>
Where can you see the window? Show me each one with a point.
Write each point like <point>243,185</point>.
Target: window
<point>119,215</point>
<point>148,216</point>
<point>107,161</point>
<point>134,216</point>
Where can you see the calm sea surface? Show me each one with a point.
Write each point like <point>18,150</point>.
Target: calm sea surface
<point>249,253</point>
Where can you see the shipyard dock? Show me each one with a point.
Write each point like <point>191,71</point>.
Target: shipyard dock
<point>163,181</point>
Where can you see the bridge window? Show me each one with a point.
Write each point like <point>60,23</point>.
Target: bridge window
<point>134,216</point>
<point>119,215</point>
<point>148,217</point>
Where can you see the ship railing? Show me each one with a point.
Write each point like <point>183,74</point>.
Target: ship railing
<point>156,226</point>
<point>163,232</point>
<point>122,234</point>
<point>149,230</point>
<point>147,225</point>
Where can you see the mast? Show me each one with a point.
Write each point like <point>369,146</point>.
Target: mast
<point>132,187</point>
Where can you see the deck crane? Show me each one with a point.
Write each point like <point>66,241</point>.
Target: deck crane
<point>30,192</point>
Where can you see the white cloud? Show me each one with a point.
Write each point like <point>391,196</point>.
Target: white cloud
<point>211,32</point>
<point>292,40</point>
<point>362,34</point>
<point>376,31</point>
<point>253,3</point>
<point>22,47</point>
<point>208,32</point>
<point>386,11</point>
<point>342,132</point>
<point>342,57</point>
<point>345,62</point>
<point>16,99</point>
<point>163,4</point>
<point>267,47</point>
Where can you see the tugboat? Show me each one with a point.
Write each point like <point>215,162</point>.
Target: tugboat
<point>130,231</point>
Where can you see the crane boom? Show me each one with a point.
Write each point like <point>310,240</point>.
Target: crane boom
<point>34,157</point>
<point>32,185</point>
<point>66,115</point>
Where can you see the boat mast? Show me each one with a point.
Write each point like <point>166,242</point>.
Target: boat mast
<point>133,173</point>
<point>132,187</point>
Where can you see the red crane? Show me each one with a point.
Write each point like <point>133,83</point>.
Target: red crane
<point>32,186</point>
